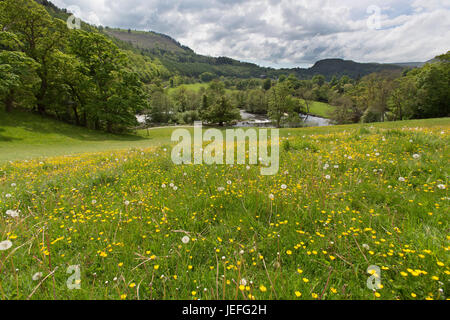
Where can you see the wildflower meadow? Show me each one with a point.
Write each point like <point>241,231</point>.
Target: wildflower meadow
<point>355,212</point>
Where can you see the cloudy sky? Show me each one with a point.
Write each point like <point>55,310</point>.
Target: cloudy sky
<point>286,33</point>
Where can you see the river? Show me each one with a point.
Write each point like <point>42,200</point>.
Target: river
<point>255,120</point>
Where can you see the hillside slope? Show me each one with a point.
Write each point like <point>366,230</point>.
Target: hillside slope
<point>182,60</point>
<point>25,136</point>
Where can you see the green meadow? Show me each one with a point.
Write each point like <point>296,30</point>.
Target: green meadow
<point>346,200</point>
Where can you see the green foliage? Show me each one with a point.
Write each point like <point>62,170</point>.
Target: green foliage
<point>217,107</point>
<point>419,93</point>
<point>207,76</point>
<point>283,107</point>
<point>17,79</point>
<point>73,75</point>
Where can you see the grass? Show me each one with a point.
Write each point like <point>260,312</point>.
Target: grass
<point>336,207</point>
<point>320,109</point>
<point>192,86</point>
<point>27,136</point>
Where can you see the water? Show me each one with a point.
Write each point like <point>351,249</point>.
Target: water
<point>312,121</point>
<point>256,120</point>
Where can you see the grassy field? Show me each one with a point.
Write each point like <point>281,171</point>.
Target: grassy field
<point>140,227</point>
<point>27,136</point>
<point>320,109</point>
<point>192,86</point>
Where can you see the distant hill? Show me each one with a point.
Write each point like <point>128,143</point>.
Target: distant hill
<point>147,40</point>
<point>340,67</point>
<point>182,60</point>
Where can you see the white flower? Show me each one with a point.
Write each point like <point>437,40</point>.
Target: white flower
<point>366,246</point>
<point>127,203</point>
<point>283,186</point>
<point>220,189</point>
<point>171,185</point>
<point>175,188</point>
<point>185,239</point>
<point>8,195</point>
<point>416,156</point>
<point>163,186</point>
<point>326,166</point>
<point>229,182</point>
<point>94,201</point>
<point>13,185</point>
<point>336,167</point>
<point>37,276</point>
<point>328,177</point>
<point>243,282</point>
<point>271,196</point>
<point>401,179</point>
<point>5,245</point>
<point>441,186</point>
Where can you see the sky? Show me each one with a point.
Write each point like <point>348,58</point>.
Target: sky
<point>286,33</point>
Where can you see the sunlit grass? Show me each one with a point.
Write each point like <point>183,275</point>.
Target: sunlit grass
<point>140,227</point>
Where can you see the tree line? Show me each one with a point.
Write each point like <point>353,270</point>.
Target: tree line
<point>74,75</point>
<point>86,78</point>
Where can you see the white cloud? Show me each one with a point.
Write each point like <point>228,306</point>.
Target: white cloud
<point>286,32</point>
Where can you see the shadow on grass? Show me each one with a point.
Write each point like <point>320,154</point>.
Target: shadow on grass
<point>47,125</point>
<point>7,139</point>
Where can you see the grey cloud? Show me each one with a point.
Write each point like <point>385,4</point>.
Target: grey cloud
<point>286,32</point>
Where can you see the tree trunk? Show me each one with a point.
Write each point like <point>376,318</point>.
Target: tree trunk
<point>85,123</point>
<point>109,127</point>
<point>8,103</point>
<point>41,108</point>
<point>75,113</point>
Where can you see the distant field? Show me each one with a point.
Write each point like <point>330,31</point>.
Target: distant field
<point>346,198</point>
<point>320,109</point>
<point>192,86</point>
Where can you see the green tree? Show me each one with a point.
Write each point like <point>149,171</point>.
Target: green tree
<point>117,94</point>
<point>222,112</point>
<point>267,84</point>
<point>281,103</point>
<point>18,76</point>
<point>256,101</point>
<point>207,76</point>
<point>38,36</point>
